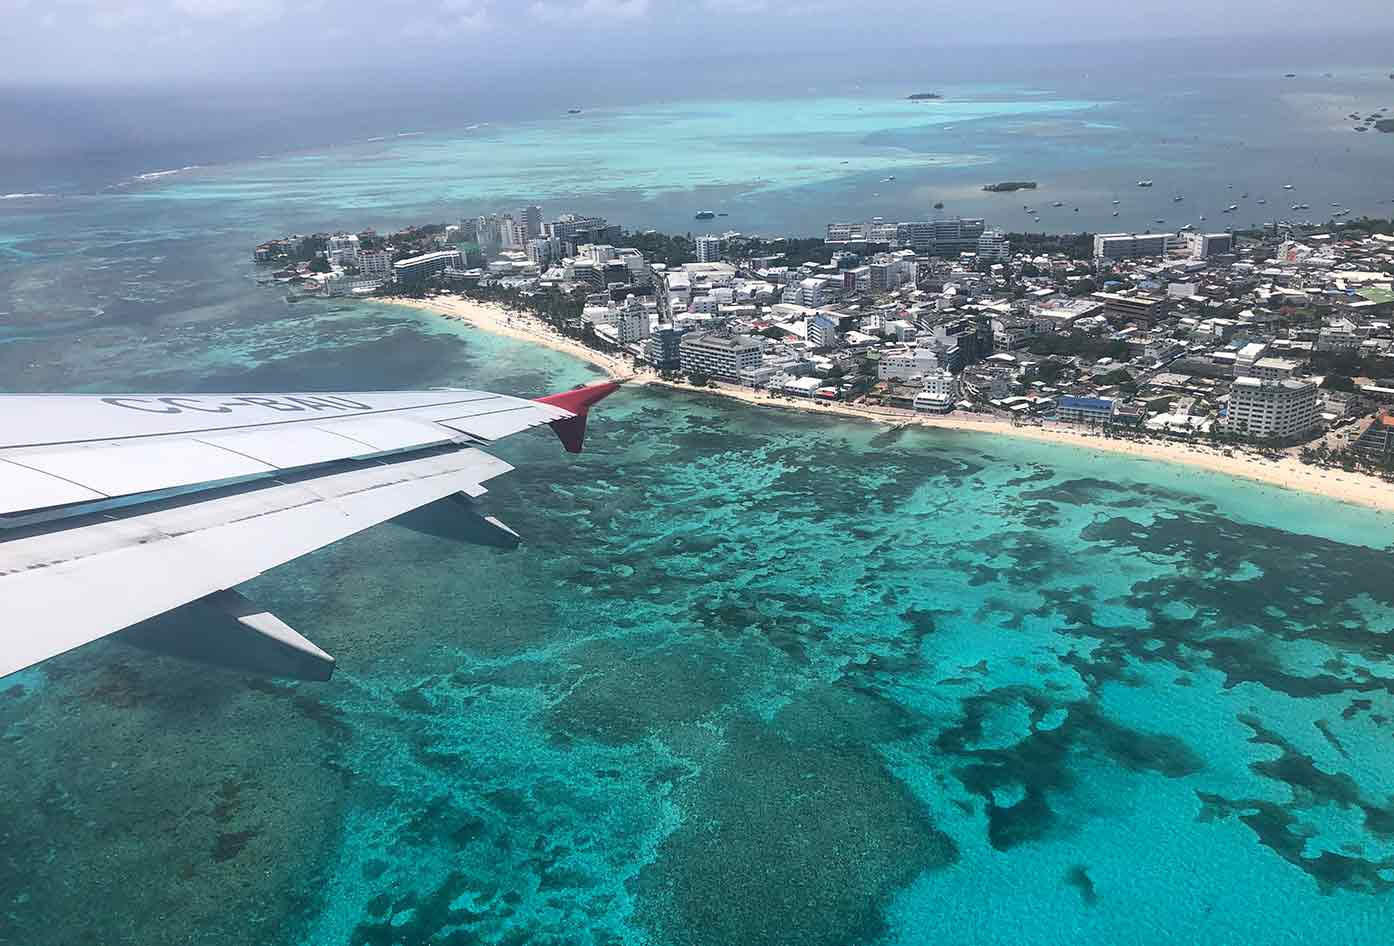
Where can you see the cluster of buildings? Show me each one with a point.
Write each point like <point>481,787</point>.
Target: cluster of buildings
<point>1266,339</point>
<point>517,247</point>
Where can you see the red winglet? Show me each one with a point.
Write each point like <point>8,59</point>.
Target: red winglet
<point>571,431</point>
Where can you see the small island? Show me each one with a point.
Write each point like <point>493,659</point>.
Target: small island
<point>924,96</point>
<point>1006,187</point>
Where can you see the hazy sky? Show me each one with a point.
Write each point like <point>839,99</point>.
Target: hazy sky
<point>75,41</point>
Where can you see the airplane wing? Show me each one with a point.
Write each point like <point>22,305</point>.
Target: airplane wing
<point>117,509</point>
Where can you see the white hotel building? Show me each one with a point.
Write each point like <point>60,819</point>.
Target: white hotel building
<point>1263,409</point>
<point>1131,245</point>
<point>906,364</point>
<point>941,390</point>
<point>719,356</point>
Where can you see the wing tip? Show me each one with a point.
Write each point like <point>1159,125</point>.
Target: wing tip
<point>571,431</point>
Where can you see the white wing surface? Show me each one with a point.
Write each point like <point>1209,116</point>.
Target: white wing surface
<point>117,509</point>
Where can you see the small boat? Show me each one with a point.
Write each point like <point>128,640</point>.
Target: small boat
<point>705,215</point>
<point>573,111</point>
<point>1231,208</point>
<point>1144,183</point>
<point>889,179</point>
<point>1177,199</point>
<point>1243,196</point>
<point>1202,216</point>
<point>1263,200</point>
<point>1115,213</point>
<point>1287,187</point>
<point>1117,202</point>
<point>1189,226</point>
<point>1058,203</point>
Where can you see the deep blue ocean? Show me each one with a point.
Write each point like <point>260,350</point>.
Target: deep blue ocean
<point>753,677</point>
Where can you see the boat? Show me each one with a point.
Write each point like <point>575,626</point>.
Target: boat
<point>889,179</point>
<point>1177,199</point>
<point>1144,183</point>
<point>1159,220</point>
<point>1243,196</point>
<point>1189,226</point>
<point>1005,187</point>
<point>1231,208</point>
<point>705,215</point>
<point>573,111</point>
<point>1263,200</point>
<point>1287,187</point>
<point>1117,202</point>
<point>1202,216</point>
<point>1115,213</point>
<point>1058,203</point>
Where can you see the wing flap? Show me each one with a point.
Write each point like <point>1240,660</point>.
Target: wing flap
<point>307,447</point>
<point>22,488</point>
<point>123,469</point>
<point>64,588</point>
<point>499,424</point>
<point>385,434</point>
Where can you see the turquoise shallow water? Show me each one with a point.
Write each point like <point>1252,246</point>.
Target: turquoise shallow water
<point>753,678</point>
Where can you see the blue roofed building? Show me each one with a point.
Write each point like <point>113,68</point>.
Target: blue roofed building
<point>1084,410</point>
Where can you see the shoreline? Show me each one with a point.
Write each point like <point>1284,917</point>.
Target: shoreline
<point>520,326</point>
<point>1288,473</point>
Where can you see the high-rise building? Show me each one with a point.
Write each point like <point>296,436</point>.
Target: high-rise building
<point>1206,245</point>
<point>570,231</point>
<point>342,248</point>
<point>709,249</point>
<point>374,263</point>
<point>418,268</point>
<point>512,234</point>
<point>940,391</point>
<point>719,356</point>
<point>1131,245</point>
<point>941,237</point>
<point>530,218</point>
<point>662,348</point>
<point>541,251</point>
<point>1271,409</point>
<point>822,331</point>
<point>993,246</point>
<point>906,364</point>
<point>489,232</point>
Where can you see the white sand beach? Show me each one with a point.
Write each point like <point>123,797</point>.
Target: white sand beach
<point>1288,472</point>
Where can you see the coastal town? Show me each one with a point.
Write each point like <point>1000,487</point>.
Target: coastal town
<point>1272,342</point>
